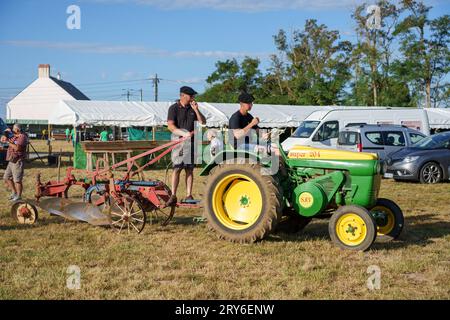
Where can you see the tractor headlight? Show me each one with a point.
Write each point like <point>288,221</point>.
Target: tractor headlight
<point>410,159</point>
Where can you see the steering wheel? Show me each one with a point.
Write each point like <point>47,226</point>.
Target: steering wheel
<point>274,132</point>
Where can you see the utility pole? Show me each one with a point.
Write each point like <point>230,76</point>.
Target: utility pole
<point>128,94</point>
<point>141,94</point>
<point>155,85</point>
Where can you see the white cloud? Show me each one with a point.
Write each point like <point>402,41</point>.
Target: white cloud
<point>241,5</point>
<point>129,50</point>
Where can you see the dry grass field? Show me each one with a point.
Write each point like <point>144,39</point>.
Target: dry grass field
<point>185,261</point>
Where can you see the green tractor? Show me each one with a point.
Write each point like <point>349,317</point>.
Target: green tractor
<point>245,202</point>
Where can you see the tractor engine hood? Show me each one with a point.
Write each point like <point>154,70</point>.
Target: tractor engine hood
<point>303,152</point>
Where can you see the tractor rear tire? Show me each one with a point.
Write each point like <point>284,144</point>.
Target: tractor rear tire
<point>352,227</point>
<point>395,220</point>
<point>242,205</point>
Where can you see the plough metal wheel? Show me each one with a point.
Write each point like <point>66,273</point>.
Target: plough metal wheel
<point>24,212</point>
<point>161,216</point>
<point>127,214</point>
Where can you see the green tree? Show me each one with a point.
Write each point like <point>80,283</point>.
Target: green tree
<point>315,69</point>
<point>230,78</point>
<point>374,78</point>
<point>424,44</point>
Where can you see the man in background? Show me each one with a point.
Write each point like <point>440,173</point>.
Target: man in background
<point>181,120</point>
<point>67,134</point>
<point>104,135</point>
<point>15,156</point>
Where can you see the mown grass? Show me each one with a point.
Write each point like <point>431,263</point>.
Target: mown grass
<point>57,145</point>
<point>186,261</point>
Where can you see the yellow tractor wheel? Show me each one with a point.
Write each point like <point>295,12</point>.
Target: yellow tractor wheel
<point>242,204</point>
<point>352,227</point>
<point>389,219</point>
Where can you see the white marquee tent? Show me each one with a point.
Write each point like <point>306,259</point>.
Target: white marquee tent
<point>127,114</point>
<point>439,118</point>
<point>147,114</point>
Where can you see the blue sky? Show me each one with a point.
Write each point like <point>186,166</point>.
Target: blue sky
<point>128,40</point>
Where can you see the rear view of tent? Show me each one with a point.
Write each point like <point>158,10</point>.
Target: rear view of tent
<point>439,118</point>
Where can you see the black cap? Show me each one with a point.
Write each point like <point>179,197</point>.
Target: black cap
<point>188,91</point>
<point>246,98</point>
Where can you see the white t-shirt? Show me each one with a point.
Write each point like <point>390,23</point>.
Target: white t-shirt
<point>216,146</point>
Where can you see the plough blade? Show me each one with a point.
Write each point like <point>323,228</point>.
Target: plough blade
<point>71,210</point>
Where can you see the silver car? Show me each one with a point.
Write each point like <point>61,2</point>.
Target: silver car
<point>380,139</point>
<point>428,161</point>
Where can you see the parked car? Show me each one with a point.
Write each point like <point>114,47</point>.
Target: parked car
<point>380,139</point>
<point>321,128</point>
<point>427,161</point>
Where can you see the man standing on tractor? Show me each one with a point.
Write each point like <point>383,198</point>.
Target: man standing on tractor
<point>181,120</point>
<point>241,122</point>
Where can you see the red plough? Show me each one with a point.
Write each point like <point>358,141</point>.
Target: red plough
<point>124,203</point>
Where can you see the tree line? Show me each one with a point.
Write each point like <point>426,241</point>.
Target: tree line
<point>401,58</point>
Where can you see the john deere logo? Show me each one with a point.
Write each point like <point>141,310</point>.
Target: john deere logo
<point>306,200</point>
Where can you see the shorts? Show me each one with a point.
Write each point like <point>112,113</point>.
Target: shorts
<point>182,165</point>
<point>14,171</point>
<point>183,156</point>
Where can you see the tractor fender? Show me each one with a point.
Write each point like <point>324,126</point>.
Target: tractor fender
<point>228,155</point>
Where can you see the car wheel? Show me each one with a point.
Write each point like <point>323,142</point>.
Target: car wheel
<point>431,172</point>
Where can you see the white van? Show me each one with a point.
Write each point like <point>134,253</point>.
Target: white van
<point>321,128</point>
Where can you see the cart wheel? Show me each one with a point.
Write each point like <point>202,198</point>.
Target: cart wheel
<point>24,212</point>
<point>161,216</point>
<point>127,214</point>
<point>352,227</point>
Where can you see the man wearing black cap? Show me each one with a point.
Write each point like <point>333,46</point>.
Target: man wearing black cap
<point>242,121</point>
<point>181,120</point>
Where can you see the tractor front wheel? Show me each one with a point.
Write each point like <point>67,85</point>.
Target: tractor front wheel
<point>389,219</point>
<point>352,227</point>
<point>242,204</point>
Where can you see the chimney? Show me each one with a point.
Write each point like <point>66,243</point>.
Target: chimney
<point>44,71</point>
